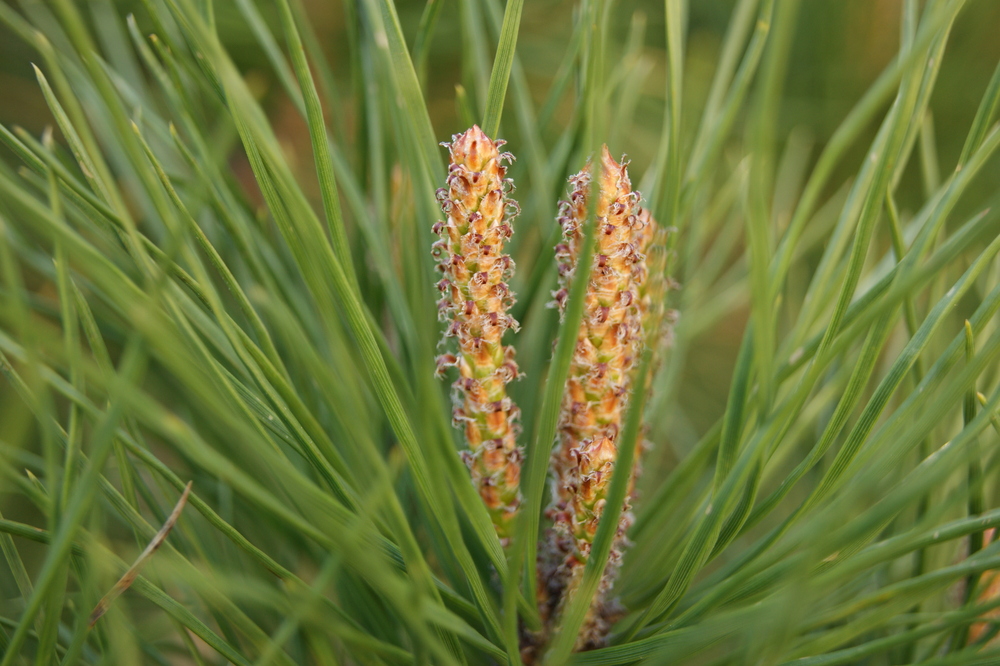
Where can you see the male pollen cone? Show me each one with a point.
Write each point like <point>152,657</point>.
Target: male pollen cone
<point>474,303</point>
<point>608,345</point>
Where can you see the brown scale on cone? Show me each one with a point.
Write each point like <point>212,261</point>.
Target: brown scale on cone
<point>987,590</point>
<point>609,341</point>
<point>653,284</point>
<point>474,303</point>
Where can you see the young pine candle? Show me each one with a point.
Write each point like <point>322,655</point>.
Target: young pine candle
<point>608,345</point>
<point>474,304</point>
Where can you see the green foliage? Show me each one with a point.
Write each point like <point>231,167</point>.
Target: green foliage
<point>184,297</point>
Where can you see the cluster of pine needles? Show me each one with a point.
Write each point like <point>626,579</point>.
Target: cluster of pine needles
<point>222,439</point>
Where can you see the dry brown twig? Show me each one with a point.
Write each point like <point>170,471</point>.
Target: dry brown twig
<point>133,571</point>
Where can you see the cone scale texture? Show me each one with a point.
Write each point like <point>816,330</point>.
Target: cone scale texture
<point>609,341</point>
<point>474,302</point>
